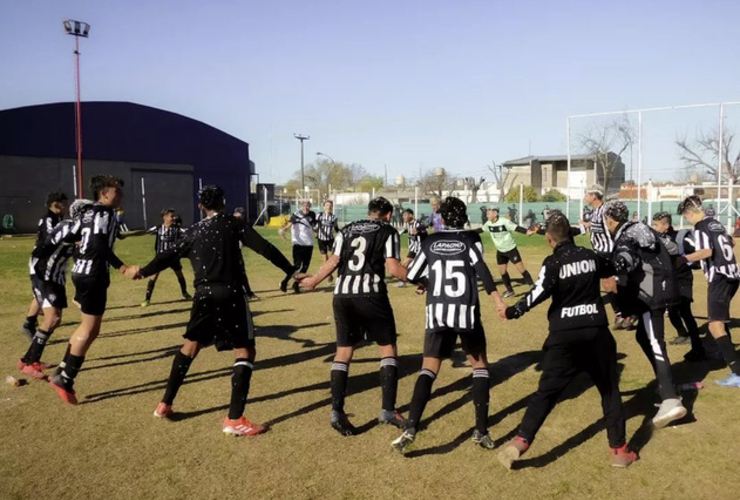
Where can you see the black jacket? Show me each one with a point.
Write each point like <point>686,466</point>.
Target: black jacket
<point>644,270</point>
<point>571,276</point>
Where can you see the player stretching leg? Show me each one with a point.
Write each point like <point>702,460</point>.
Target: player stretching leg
<point>452,257</point>
<point>501,234</point>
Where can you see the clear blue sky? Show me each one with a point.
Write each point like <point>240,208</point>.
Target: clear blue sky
<point>407,84</point>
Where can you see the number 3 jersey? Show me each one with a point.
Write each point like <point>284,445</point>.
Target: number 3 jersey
<point>362,247</point>
<point>710,234</point>
<point>95,231</point>
<point>452,261</point>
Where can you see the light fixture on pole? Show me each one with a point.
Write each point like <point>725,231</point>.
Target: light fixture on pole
<point>303,177</point>
<point>77,29</point>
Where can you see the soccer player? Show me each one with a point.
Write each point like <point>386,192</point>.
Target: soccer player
<point>417,232</point>
<point>645,287</point>
<point>680,243</point>
<point>56,205</point>
<point>449,261</point>
<point>506,250</point>
<point>167,235</point>
<point>578,341</point>
<point>602,243</point>
<point>95,231</point>
<point>302,224</point>
<point>363,250</point>
<point>435,220</point>
<point>326,225</point>
<point>220,312</point>
<point>714,249</point>
<point>48,282</point>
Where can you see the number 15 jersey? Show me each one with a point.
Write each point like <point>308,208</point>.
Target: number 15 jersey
<point>362,247</point>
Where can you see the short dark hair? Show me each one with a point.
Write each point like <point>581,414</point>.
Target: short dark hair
<point>408,211</point>
<point>329,201</point>
<point>663,216</point>
<point>380,205</point>
<point>493,209</point>
<point>99,183</point>
<point>617,210</point>
<point>212,197</point>
<point>166,211</point>
<point>240,210</point>
<point>454,212</point>
<point>55,197</point>
<point>692,203</point>
<point>558,227</point>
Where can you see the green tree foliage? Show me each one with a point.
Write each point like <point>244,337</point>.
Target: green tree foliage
<point>554,195</point>
<point>530,194</point>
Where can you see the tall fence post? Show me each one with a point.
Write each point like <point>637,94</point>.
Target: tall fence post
<point>521,203</point>
<point>143,201</point>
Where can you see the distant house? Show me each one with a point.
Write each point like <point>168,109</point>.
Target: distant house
<point>551,172</point>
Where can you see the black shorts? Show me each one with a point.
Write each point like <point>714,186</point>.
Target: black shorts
<point>325,246</point>
<point>440,343</point>
<point>360,318</point>
<point>504,257</point>
<point>91,293</point>
<point>721,292</point>
<point>176,266</point>
<point>48,293</point>
<point>221,316</point>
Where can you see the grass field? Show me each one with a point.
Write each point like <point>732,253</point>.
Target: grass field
<point>110,446</point>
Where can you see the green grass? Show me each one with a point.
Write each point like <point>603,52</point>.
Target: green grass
<point>110,446</point>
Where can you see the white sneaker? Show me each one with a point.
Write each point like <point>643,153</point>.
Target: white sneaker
<point>670,410</point>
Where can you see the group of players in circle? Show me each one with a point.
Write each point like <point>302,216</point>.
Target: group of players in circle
<point>644,270</point>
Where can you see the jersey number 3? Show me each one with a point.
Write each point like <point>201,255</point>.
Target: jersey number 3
<point>454,279</point>
<point>357,262</point>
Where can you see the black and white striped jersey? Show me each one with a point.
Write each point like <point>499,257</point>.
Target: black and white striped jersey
<point>602,241</point>
<point>52,256</point>
<point>417,232</point>
<point>326,225</point>
<point>362,247</point>
<point>96,231</point>
<point>710,234</point>
<point>47,223</point>
<point>451,260</point>
<point>166,237</point>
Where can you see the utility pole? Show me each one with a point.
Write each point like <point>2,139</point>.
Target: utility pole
<point>78,29</point>
<point>303,177</point>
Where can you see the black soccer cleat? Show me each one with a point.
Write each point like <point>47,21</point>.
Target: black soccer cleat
<point>284,285</point>
<point>483,440</point>
<point>392,418</point>
<point>342,425</point>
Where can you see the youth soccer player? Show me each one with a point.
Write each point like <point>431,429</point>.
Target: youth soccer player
<point>95,231</point>
<point>417,231</point>
<point>48,282</point>
<point>680,243</point>
<point>638,248</point>
<point>56,205</point>
<point>714,249</point>
<point>578,341</point>
<point>506,251</point>
<point>449,261</point>
<point>220,314</point>
<point>167,235</point>
<point>302,224</point>
<point>363,250</point>
<point>326,225</point>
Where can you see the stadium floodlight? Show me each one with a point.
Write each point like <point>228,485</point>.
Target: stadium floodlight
<point>77,29</point>
<point>302,138</point>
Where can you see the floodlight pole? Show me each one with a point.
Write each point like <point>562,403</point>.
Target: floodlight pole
<point>721,158</point>
<point>567,199</point>
<point>639,161</point>
<point>77,29</point>
<point>303,177</point>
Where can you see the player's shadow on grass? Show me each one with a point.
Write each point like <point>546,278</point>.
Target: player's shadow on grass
<point>132,331</point>
<point>157,354</point>
<point>126,306</point>
<point>286,332</point>
<point>148,314</point>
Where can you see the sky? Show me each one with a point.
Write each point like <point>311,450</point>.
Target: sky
<point>394,85</point>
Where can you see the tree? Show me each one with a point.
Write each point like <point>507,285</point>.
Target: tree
<point>324,173</point>
<point>434,182</point>
<point>501,174</point>
<point>530,195</point>
<point>553,195</point>
<point>473,186</point>
<point>702,156</point>
<point>606,144</point>
<point>369,182</point>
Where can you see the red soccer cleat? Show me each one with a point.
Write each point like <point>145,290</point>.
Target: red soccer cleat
<point>243,427</point>
<point>34,370</point>
<point>163,411</point>
<point>622,457</point>
<point>512,451</point>
<point>68,396</point>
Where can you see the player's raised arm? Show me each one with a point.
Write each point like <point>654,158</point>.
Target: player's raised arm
<point>254,241</point>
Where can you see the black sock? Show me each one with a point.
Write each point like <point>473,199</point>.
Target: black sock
<point>183,285</point>
<point>61,365</point>
<point>481,397</point>
<point>240,378</point>
<point>507,280</point>
<point>31,321</point>
<point>150,289</point>
<point>528,278</point>
<point>422,391</point>
<point>339,374</point>
<point>180,367</point>
<point>389,382</point>
<point>71,369</point>
<point>36,349</point>
<point>728,352</point>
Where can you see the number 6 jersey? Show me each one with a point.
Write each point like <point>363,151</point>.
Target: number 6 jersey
<point>710,234</point>
<point>362,247</point>
<point>452,260</point>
